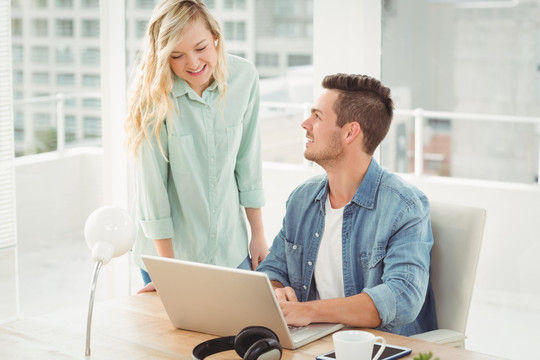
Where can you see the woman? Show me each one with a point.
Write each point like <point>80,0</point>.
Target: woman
<point>192,126</point>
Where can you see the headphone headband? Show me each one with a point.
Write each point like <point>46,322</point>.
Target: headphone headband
<point>212,347</point>
<point>252,343</point>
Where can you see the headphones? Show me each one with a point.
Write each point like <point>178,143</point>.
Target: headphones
<point>252,343</point>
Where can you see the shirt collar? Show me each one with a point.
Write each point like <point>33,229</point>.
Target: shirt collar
<point>181,87</point>
<point>365,194</point>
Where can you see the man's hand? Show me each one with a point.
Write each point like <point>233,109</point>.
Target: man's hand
<point>149,287</point>
<point>295,312</point>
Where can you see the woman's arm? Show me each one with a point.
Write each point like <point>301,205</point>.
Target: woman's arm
<point>258,247</point>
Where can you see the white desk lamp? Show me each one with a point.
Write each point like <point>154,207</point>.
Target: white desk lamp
<point>109,232</point>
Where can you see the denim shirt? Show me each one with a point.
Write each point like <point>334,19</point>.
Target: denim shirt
<point>387,242</point>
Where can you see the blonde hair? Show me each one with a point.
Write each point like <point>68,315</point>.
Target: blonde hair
<point>150,102</point>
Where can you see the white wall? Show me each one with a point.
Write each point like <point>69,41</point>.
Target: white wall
<point>56,194</point>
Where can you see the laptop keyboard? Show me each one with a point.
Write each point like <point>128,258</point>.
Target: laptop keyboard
<point>295,329</point>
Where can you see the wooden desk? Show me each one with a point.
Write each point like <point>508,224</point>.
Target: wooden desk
<point>137,327</point>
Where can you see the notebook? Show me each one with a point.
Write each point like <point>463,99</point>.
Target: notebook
<point>222,301</point>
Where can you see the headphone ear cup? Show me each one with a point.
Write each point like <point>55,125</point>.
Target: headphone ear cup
<point>269,348</point>
<point>249,336</point>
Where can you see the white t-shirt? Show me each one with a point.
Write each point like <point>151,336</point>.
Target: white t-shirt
<point>329,265</point>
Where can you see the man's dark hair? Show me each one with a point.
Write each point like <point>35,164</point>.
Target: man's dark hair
<point>365,100</point>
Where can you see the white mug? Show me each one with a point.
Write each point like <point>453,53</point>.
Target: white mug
<point>356,345</point>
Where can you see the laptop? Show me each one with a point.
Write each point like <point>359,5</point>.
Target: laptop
<point>222,301</point>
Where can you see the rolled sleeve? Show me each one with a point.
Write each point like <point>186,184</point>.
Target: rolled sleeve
<point>384,301</point>
<point>157,229</point>
<point>252,199</point>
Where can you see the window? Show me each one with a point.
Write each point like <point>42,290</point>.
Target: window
<point>140,28</point>
<point>64,28</point>
<point>18,77</point>
<point>40,78</point>
<point>39,54</point>
<point>91,103</point>
<point>90,4</point>
<point>90,28</point>
<point>92,127</point>
<point>145,4</point>
<point>298,59</point>
<point>70,124</point>
<point>16,27</point>
<point>211,4</point>
<point>18,124</point>
<point>235,30</point>
<point>65,79</point>
<point>40,4</point>
<point>234,4</point>
<point>42,121</point>
<point>64,55</point>
<point>70,102</point>
<point>267,59</point>
<point>90,56</point>
<point>91,80</point>
<point>17,54</point>
<point>40,27</point>
<point>64,4</point>
<point>451,70</point>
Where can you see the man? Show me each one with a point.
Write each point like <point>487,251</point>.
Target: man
<point>355,243</point>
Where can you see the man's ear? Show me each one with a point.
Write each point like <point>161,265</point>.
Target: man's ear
<point>353,130</point>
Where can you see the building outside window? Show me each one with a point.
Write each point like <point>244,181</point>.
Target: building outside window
<point>17,53</point>
<point>90,4</point>
<point>39,54</point>
<point>16,27</point>
<point>64,28</point>
<point>90,56</point>
<point>64,55</point>
<point>65,79</point>
<point>40,78</point>
<point>63,4</point>
<point>40,27</point>
<point>90,28</point>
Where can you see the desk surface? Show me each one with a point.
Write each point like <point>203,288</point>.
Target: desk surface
<point>137,327</point>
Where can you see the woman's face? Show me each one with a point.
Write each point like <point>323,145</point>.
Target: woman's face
<point>195,57</point>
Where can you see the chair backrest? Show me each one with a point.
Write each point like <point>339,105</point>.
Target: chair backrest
<point>457,232</point>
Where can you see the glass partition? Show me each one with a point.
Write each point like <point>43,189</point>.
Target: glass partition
<point>465,76</point>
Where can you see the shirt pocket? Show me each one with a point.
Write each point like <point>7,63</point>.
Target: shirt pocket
<point>293,255</point>
<point>182,153</point>
<point>372,258</point>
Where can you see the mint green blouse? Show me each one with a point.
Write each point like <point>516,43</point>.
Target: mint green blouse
<point>214,171</point>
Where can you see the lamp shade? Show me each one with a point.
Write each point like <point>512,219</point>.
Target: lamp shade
<point>109,232</point>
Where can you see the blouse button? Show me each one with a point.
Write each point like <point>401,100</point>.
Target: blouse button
<point>294,247</point>
<point>316,234</point>
<point>310,263</point>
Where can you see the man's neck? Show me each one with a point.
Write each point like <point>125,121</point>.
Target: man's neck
<point>344,180</point>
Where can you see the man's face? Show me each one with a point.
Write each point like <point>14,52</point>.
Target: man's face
<point>323,144</point>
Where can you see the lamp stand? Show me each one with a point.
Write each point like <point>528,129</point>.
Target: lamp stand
<point>91,306</point>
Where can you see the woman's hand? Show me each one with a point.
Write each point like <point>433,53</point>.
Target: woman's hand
<point>258,248</point>
<point>147,288</point>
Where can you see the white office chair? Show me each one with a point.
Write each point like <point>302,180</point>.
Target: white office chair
<point>457,232</point>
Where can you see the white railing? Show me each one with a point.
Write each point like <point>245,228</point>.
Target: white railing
<point>59,99</point>
<point>420,115</point>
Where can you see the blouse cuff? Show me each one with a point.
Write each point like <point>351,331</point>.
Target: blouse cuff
<point>252,199</point>
<point>157,229</point>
